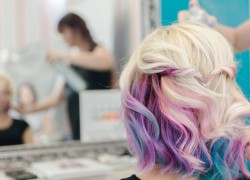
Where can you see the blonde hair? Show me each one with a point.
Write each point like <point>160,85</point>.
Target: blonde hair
<point>6,84</point>
<point>182,107</point>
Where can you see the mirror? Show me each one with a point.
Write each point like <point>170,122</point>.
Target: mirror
<point>29,29</point>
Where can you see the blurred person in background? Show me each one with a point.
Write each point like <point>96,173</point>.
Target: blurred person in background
<point>93,63</point>
<point>41,123</point>
<point>12,131</point>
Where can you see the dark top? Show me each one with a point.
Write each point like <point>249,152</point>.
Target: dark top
<point>133,177</point>
<point>94,80</point>
<point>14,134</point>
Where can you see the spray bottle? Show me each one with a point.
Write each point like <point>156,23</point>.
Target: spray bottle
<point>72,78</point>
<point>197,14</point>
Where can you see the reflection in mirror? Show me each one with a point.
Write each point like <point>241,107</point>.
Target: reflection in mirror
<point>52,50</point>
<point>12,131</point>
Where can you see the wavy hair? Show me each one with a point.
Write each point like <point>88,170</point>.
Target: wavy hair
<point>182,108</point>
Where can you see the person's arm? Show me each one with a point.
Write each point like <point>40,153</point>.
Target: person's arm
<point>114,81</point>
<point>47,124</point>
<point>27,136</point>
<point>100,59</point>
<point>51,101</point>
<point>238,37</point>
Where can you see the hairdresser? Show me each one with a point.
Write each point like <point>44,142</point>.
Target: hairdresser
<point>93,63</point>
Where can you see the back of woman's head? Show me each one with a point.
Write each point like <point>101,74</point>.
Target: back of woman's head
<point>182,108</point>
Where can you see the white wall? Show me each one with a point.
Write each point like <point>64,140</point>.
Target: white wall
<point>27,28</point>
<point>23,22</point>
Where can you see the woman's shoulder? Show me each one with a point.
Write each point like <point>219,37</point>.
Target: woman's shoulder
<point>133,177</point>
<point>99,49</point>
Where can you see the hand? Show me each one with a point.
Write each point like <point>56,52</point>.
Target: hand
<point>18,109</point>
<point>25,110</point>
<point>54,55</point>
<point>184,15</point>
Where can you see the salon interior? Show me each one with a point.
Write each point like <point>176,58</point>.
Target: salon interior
<point>60,62</point>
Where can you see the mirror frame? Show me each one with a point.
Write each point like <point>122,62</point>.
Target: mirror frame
<point>151,15</point>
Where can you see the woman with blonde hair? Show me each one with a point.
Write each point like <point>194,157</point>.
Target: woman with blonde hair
<point>183,110</point>
<point>12,131</point>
